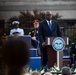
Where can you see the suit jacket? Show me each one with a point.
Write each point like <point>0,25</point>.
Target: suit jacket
<point>44,30</point>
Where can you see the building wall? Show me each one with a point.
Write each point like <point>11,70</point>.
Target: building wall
<point>66,14</point>
<point>66,8</point>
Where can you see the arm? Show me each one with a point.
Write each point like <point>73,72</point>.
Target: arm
<point>11,33</point>
<point>31,33</point>
<point>40,34</point>
<point>72,50</point>
<point>22,32</point>
<point>59,33</point>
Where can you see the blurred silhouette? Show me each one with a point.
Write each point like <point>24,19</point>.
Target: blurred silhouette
<point>66,71</point>
<point>35,73</point>
<point>47,73</point>
<point>15,56</point>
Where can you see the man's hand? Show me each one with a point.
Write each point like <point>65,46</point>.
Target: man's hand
<point>43,44</point>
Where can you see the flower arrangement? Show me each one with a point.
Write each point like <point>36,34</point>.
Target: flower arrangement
<point>55,69</point>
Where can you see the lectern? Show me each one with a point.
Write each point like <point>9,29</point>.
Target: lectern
<point>55,46</point>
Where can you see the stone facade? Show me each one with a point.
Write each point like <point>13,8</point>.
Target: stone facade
<point>63,7</point>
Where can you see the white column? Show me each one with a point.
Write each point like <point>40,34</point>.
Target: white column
<point>58,58</point>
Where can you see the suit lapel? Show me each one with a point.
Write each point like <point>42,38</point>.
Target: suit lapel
<point>53,26</point>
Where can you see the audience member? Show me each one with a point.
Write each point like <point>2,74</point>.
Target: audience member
<point>16,31</point>
<point>35,73</point>
<point>27,73</point>
<point>47,73</point>
<point>66,71</point>
<point>15,55</point>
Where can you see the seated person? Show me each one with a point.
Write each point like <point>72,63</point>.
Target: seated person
<point>34,33</point>
<point>16,30</point>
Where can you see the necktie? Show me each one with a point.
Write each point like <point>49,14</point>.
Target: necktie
<point>50,25</point>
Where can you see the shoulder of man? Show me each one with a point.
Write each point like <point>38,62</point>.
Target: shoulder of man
<point>12,29</point>
<point>20,28</point>
<point>54,21</point>
<point>43,21</point>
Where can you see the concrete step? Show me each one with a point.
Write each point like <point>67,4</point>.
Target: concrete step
<point>33,52</point>
<point>35,63</point>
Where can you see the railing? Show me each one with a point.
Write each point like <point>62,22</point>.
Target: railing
<point>61,73</point>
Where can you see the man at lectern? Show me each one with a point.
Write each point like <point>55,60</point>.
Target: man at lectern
<point>16,31</point>
<point>47,28</point>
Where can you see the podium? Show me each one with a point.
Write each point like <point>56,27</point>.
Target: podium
<point>55,55</point>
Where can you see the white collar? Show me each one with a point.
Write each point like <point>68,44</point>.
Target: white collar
<point>16,28</point>
<point>48,21</point>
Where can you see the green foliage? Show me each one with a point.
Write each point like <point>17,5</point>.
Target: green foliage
<point>55,68</point>
<point>56,16</point>
<point>73,68</point>
<point>26,18</point>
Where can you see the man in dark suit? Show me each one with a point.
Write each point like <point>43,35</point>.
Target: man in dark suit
<point>47,28</point>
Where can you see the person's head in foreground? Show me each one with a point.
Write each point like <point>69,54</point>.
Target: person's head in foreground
<point>66,71</point>
<point>15,55</point>
<point>35,73</point>
<point>47,73</point>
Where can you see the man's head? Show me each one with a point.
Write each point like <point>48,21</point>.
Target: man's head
<point>36,23</point>
<point>47,73</point>
<point>48,15</point>
<point>35,73</point>
<point>15,24</point>
<point>66,71</point>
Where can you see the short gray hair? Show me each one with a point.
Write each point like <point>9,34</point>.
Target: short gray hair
<point>66,71</point>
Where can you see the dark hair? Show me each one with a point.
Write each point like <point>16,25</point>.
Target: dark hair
<point>15,52</point>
